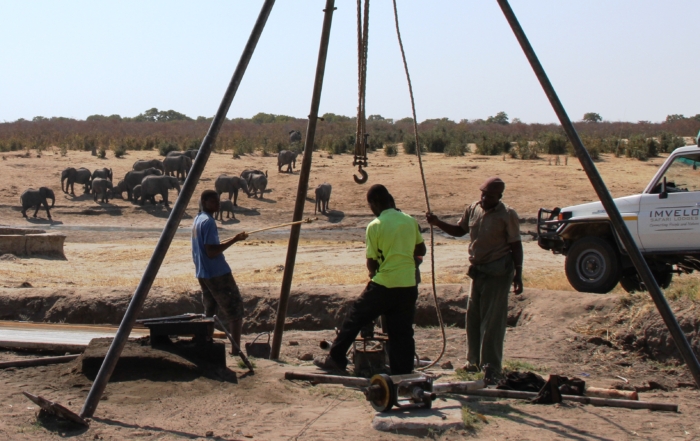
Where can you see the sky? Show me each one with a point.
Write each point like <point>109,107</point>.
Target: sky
<point>627,60</point>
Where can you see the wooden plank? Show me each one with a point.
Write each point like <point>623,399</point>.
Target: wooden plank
<point>54,336</point>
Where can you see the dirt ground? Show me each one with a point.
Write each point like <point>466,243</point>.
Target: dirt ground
<point>550,338</point>
<point>108,246</point>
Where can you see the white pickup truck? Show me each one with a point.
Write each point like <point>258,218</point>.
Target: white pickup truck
<point>664,221</point>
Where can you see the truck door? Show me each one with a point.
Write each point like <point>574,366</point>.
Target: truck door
<point>671,221</point>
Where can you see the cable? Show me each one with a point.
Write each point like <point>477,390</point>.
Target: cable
<point>425,191</point>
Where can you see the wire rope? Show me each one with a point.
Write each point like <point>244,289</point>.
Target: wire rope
<point>425,192</point>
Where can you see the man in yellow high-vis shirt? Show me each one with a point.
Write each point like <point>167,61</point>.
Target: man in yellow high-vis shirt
<point>393,240</point>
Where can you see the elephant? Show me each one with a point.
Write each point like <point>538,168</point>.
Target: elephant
<point>323,196</point>
<point>225,206</point>
<point>136,193</point>
<point>104,173</point>
<point>134,178</point>
<point>102,188</point>
<point>35,198</point>
<point>294,136</point>
<point>74,176</point>
<point>245,174</point>
<point>119,189</point>
<point>231,185</point>
<point>190,153</point>
<point>288,158</point>
<point>153,185</point>
<point>143,164</point>
<point>257,183</point>
<point>177,166</point>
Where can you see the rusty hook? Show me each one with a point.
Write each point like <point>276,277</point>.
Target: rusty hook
<point>364,177</point>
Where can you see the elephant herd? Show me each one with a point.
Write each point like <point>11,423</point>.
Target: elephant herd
<point>149,178</point>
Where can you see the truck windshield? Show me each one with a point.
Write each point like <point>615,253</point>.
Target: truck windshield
<point>682,175</point>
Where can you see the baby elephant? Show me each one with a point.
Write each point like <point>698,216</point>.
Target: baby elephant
<point>323,196</point>
<point>36,198</point>
<point>225,206</point>
<point>102,188</point>
<point>136,193</point>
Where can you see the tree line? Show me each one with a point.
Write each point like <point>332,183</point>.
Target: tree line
<point>164,131</point>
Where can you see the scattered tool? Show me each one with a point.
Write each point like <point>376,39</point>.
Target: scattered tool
<point>328,379</point>
<point>56,409</point>
<point>628,404</point>
<point>235,345</point>
<point>402,391</point>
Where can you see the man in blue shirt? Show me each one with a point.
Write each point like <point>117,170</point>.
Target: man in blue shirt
<point>213,273</point>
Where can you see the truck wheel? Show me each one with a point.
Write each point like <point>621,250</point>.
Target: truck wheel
<point>592,265</point>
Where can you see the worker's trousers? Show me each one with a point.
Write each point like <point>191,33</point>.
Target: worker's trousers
<point>398,306</point>
<point>487,311</point>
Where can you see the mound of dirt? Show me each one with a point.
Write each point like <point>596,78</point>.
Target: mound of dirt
<point>139,360</point>
<point>647,334</point>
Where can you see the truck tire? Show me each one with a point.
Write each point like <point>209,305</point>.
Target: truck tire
<point>592,265</point>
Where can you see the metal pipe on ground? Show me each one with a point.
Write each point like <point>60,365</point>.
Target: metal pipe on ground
<point>303,182</point>
<point>174,219</point>
<point>609,402</point>
<point>44,361</point>
<point>605,198</point>
<point>327,379</point>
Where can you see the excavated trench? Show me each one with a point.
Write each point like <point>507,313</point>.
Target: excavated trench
<point>310,308</point>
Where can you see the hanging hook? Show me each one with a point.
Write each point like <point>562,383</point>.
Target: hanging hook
<point>364,177</point>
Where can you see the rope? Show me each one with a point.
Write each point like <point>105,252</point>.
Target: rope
<point>425,191</point>
<point>360,158</point>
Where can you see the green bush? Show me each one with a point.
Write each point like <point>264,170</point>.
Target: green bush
<point>492,146</point>
<point>338,145</point>
<point>455,149</point>
<point>11,145</point>
<point>89,144</point>
<point>191,144</point>
<point>390,150</point>
<point>668,142</point>
<point>102,152</point>
<point>166,147</point>
<point>525,150</point>
<point>642,148</point>
<point>594,152</point>
<point>409,146</point>
<point>554,144</point>
<point>119,150</point>
<point>436,141</point>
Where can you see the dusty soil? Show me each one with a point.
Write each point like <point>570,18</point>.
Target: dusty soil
<point>265,406</point>
<point>108,246</point>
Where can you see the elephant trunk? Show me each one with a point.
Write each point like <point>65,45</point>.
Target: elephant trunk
<point>53,201</point>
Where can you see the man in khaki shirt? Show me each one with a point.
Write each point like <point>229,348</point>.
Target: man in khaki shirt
<point>496,262</point>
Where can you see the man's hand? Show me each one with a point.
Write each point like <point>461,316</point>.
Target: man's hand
<point>431,218</point>
<point>240,236</point>
<point>452,230</point>
<point>518,283</point>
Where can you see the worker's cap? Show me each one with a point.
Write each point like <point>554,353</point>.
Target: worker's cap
<point>494,184</point>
